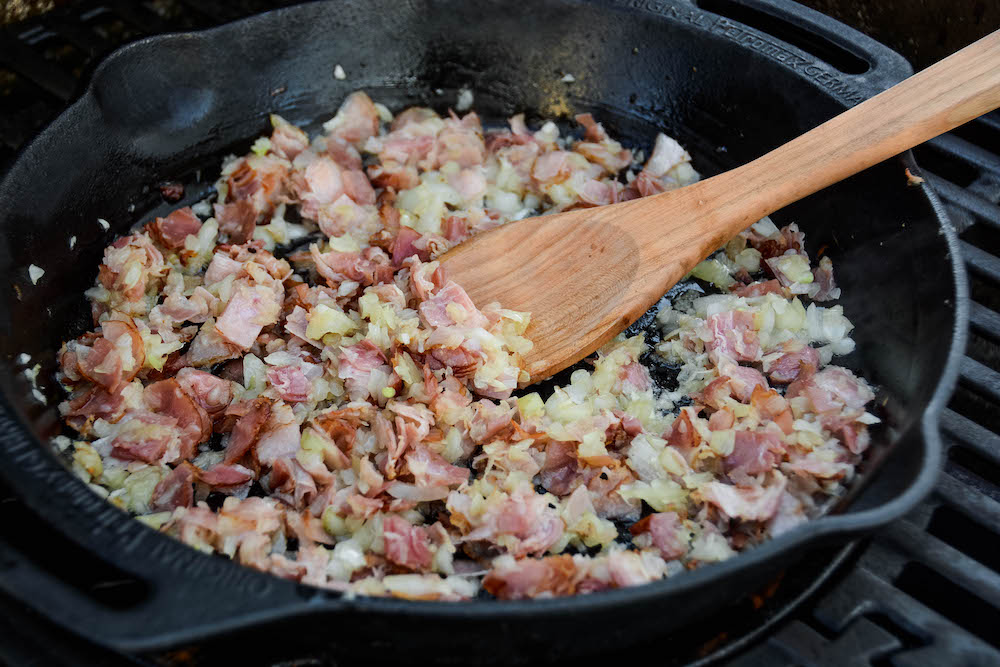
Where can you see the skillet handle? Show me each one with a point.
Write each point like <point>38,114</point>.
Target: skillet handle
<point>850,64</point>
<point>127,600</point>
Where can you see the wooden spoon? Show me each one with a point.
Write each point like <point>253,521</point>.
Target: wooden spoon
<point>586,274</point>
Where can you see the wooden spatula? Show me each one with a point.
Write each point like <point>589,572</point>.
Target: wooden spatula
<point>587,274</point>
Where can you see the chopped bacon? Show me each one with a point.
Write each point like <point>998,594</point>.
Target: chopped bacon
<point>635,377</point>
<point>172,230</point>
<point>250,418</point>
<point>258,180</point>
<point>280,437</point>
<point>525,520</point>
<point>552,167</point>
<point>787,367</point>
<point>174,490</point>
<point>290,383</point>
<point>406,544</point>
<point>431,469</point>
<point>823,276</point>
<point>743,380</point>
<point>286,139</point>
<point>833,389</point>
<point>345,155</point>
<point>461,141</point>
<point>665,529</point>
<point>145,437</point>
<point>761,288</point>
<point>222,474</point>
<point>211,392</point>
<point>733,336</point>
<point>368,267</point>
<point>451,305</point>
<point>403,246</point>
<point>754,452</point>
<point>94,403</point>
<point>290,483</point>
<point>530,578</point>
<point>250,309</point>
<point>221,267</point>
<point>455,229</point>
<point>167,397</point>
<point>356,365</point>
<point>752,504</point>
<point>237,220</point>
<point>356,120</point>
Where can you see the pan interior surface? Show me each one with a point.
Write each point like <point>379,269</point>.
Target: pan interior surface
<point>155,112</point>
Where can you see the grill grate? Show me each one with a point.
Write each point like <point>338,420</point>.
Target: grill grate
<point>925,591</point>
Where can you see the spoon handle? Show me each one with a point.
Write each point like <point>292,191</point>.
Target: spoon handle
<point>951,92</point>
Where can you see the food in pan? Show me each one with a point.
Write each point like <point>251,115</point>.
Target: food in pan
<point>284,376</point>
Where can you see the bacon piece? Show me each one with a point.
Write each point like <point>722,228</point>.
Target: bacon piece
<point>345,155</point>
<point>833,389</point>
<point>167,397</point>
<point>461,141</point>
<point>771,406</point>
<point>455,229</point>
<point>759,288</point>
<point>823,276</point>
<point>356,364</point>
<point>102,365</point>
<point>211,392</point>
<point>629,568</point>
<point>368,267</point>
<point>758,503</point>
<point>131,265</point>
<point>635,377</point>
<point>280,437</point>
<point>225,475</point>
<point>666,532</point>
<point>470,184</point>
<point>552,167</point>
<point>743,380</point>
<point>561,468</point>
<point>358,187</point>
<point>172,230</point>
<point>221,267</point>
<point>529,578</point>
<point>145,437</point>
<point>258,180</point>
<point>174,490</point>
<point>237,220</point>
<point>526,521</point>
<point>93,404</point>
<point>733,336</point>
<point>250,309</point>
<point>402,246</point>
<point>356,120</point>
<point>286,139</point>
<point>450,306</point>
<point>290,483</point>
<point>251,417</point>
<point>406,544</point>
<point>787,367</point>
<point>290,383</point>
<point>431,469</point>
<point>754,452</point>
<point>208,348</point>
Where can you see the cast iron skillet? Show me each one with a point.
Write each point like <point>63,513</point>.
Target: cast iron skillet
<point>166,107</point>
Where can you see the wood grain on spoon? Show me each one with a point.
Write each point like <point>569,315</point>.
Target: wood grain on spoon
<point>587,274</point>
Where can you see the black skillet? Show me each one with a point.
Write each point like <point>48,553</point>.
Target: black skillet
<point>171,106</point>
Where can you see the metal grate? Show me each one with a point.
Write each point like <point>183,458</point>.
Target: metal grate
<point>925,591</point>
